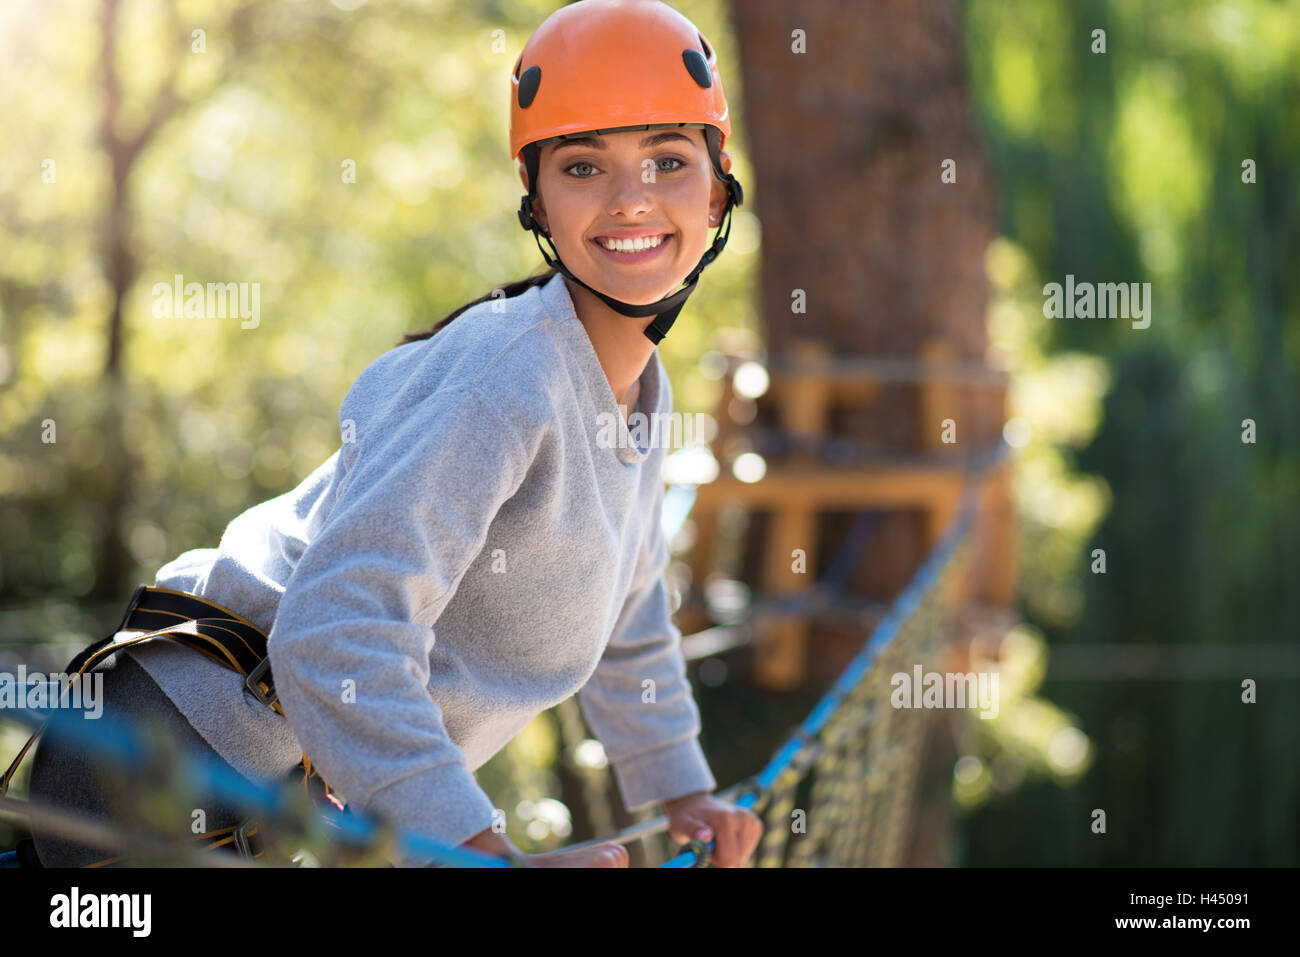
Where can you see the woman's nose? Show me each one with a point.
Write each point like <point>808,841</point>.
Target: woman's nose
<point>632,191</point>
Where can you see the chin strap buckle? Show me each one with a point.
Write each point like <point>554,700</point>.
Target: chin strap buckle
<point>661,324</point>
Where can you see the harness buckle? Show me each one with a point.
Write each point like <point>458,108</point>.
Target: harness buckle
<point>250,683</point>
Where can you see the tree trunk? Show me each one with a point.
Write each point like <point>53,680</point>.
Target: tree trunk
<point>119,267</point>
<point>850,141</point>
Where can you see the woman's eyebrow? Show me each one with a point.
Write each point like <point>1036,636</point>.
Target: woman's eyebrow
<point>596,143</point>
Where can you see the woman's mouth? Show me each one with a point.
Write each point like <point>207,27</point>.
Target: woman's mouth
<point>630,252</point>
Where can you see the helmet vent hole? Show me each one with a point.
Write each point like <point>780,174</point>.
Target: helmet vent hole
<point>698,68</point>
<point>528,85</point>
<point>704,45</point>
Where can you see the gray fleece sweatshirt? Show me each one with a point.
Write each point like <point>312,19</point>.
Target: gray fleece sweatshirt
<point>486,542</point>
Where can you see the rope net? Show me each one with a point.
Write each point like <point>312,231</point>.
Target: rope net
<point>842,790</point>
<point>848,800</point>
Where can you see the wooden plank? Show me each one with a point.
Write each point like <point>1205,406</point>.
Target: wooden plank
<point>937,401</point>
<point>781,658</point>
<point>849,391</point>
<point>902,487</point>
<point>850,370</point>
<point>804,407</point>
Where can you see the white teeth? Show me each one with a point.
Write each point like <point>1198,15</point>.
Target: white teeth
<point>632,245</point>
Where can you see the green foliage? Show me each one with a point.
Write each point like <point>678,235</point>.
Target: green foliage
<point>1127,166</point>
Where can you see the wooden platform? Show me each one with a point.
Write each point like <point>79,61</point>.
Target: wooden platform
<point>798,488</point>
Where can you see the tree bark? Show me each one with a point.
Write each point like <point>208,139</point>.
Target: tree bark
<point>849,142</point>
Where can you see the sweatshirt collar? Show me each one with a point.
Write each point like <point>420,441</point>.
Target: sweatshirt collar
<point>630,449</point>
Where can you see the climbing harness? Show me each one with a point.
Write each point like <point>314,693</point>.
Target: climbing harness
<point>595,67</point>
<point>224,636</point>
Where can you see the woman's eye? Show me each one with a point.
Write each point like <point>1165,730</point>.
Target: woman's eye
<point>667,159</point>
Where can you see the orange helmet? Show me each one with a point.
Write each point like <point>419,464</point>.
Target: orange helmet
<point>601,66</point>
<point>614,63</point>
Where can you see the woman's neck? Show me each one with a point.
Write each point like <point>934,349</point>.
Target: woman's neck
<point>620,342</point>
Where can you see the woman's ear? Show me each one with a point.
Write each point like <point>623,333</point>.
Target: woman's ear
<point>539,215</point>
<point>718,192</point>
<point>539,209</point>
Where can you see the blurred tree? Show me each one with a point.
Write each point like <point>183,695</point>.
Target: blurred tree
<point>1123,132</point>
<point>118,260</point>
<point>881,216</point>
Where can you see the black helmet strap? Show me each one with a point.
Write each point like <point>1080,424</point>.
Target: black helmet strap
<point>665,310</point>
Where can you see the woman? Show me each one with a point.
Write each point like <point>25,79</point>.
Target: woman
<point>481,547</point>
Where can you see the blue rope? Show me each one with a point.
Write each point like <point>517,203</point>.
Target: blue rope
<point>119,741</point>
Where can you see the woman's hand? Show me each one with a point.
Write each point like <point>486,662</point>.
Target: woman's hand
<point>701,816</point>
<point>602,855</point>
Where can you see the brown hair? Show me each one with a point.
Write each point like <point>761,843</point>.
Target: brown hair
<point>510,290</point>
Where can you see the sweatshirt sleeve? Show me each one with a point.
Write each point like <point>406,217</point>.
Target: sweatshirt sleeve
<point>651,741</point>
<point>349,661</point>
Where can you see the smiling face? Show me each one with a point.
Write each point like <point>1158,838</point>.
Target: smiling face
<point>653,191</point>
